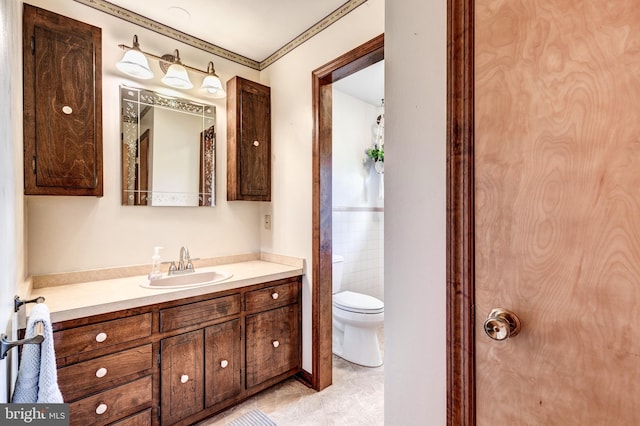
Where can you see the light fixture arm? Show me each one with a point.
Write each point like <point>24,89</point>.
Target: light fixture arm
<point>163,60</point>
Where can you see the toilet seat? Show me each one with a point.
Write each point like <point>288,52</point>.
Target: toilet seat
<point>358,303</point>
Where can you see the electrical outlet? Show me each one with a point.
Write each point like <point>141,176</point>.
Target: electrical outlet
<point>267,221</point>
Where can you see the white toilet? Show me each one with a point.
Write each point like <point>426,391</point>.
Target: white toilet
<point>356,319</point>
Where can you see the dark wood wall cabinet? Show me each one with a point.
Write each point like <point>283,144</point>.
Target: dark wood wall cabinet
<point>178,362</point>
<point>248,140</point>
<point>62,105</point>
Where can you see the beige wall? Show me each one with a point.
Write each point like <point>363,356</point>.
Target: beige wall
<point>11,205</point>
<point>415,212</point>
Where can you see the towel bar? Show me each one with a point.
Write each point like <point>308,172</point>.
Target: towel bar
<point>6,344</point>
<point>17,302</point>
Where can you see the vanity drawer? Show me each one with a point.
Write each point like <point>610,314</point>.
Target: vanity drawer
<point>113,404</point>
<point>199,312</point>
<point>97,336</point>
<point>100,373</point>
<point>272,297</point>
<point>140,419</point>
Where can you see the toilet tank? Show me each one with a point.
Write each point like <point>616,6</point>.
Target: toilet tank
<point>337,268</point>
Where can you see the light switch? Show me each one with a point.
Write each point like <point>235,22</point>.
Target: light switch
<point>267,221</point>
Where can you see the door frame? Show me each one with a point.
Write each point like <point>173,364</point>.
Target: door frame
<point>355,60</point>
<point>460,214</point>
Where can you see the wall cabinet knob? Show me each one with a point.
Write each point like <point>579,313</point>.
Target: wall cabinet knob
<point>275,296</point>
<point>276,343</point>
<point>184,378</point>
<point>101,408</point>
<point>101,337</point>
<point>224,363</point>
<point>256,143</point>
<point>101,372</point>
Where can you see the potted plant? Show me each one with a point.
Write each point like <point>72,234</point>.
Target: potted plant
<point>377,155</point>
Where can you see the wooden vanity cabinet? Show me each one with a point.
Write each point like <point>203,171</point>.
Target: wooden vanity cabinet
<point>178,362</point>
<point>273,332</point>
<point>62,61</point>
<point>248,140</point>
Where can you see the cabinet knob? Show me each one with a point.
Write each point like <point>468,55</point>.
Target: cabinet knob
<point>256,143</point>
<point>184,378</point>
<point>101,337</point>
<point>101,408</point>
<point>276,343</point>
<point>224,363</point>
<point>275,296</point>
<point>67,109</point>
<point>101,372</point>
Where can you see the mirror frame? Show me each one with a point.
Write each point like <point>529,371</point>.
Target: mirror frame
<point>136,149</point>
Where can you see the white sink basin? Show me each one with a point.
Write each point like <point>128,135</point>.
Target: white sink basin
<point>192,279</point>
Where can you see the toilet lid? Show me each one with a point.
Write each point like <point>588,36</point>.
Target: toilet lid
<point>358,302</point>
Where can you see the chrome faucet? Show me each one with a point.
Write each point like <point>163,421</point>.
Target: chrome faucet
<point>184,263</point>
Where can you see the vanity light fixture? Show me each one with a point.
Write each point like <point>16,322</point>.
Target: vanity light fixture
<point>212,84</point>
<point>134,63</point>
<point>177,75</point>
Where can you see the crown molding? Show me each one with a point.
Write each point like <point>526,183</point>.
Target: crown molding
<point>323,24</point>
<point>150,24</point>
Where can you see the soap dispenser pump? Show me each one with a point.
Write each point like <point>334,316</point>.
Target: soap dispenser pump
<point>155,264</point>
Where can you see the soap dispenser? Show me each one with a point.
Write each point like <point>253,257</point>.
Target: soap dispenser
<point>155,264</point>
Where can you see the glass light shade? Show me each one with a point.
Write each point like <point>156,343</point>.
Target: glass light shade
<point>212,86</point>
<point>177,77</point>
<point>135,64</point>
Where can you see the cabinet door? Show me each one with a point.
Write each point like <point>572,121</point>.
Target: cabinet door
<point>182,366</point>
<point>248,140</point>
<point>223,374</point>
<point>273,344</point>
<point>62,105</point>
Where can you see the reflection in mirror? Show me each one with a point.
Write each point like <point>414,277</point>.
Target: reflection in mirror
<point>168,150</point>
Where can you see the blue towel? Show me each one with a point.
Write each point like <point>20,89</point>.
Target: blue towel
<point>37,376</point>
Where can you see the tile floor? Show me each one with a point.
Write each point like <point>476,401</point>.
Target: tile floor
<point>356,398</point>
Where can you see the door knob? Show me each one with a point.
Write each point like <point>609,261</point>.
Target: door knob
<point>501,324</point>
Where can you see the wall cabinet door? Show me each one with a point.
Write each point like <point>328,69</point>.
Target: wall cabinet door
<point>248,140</point>
<point>62,105</point>
<point>223,368</point>
<point>182,372</point>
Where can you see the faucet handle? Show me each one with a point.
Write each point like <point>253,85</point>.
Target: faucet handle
<point>172,267</point>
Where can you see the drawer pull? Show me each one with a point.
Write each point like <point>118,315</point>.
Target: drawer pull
<point>101,337</point>
<point>275,295</point>
<point>276,343</point>
<point>224,363</point>
<point>101,372</point>
<point>101,408</point>
<point>256,143</point>
<point>184,378</point>
<point>67,109</point>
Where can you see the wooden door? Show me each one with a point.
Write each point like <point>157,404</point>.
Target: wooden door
<point>557,210</point>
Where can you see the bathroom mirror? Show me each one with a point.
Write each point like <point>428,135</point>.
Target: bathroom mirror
<point>168,150</point>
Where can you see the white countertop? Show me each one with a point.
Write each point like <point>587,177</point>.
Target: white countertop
<point>73,301</point>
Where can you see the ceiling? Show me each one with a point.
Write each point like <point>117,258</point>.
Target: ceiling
<point>254,33</point>
<point>254,29</point>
